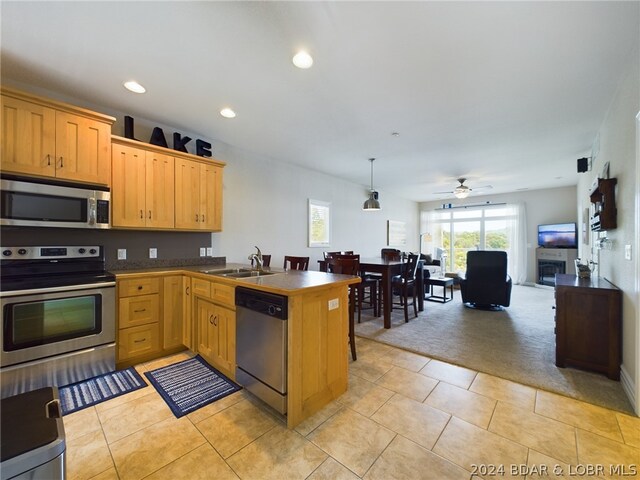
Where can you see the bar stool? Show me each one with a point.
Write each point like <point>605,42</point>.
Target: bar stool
<point>296,263</point>
<point>347,266</point>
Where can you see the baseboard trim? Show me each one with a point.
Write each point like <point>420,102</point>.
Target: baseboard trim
<point>629,387</point>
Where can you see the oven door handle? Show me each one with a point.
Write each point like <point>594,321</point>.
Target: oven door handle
<point>66,288</point>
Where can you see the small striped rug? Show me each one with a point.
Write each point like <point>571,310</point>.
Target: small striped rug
<point>87,393</point>
<point>190,384</point>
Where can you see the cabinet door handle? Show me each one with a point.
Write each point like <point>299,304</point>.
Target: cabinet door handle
<point>196,217</point>
<point>48,160</point>
<point>187,290</point>
<point>215,321</point>
<point>149,214</point>
<point>140,341</point>
<point>203,218</point>
<point>211,319</point>
<point>61,164</point>
<point>141,214</point>
<point>139,287</point>
<point>139,311</point>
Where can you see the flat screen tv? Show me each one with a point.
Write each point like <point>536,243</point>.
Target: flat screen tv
<point>558,235</point>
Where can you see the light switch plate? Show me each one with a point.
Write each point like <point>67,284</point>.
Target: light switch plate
<point>209,252</point>
<point>334,303</point>
<point>203,251</point>
<point>122,254</point>
<point>153,253</point>
<point>627,252</point>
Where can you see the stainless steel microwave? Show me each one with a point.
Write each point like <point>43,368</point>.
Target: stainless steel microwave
<point>27,203</point>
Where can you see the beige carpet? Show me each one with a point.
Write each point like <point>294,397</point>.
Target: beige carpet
<point>517,344</point>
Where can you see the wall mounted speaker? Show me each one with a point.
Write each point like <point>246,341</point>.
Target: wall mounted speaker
<point>583,165</point>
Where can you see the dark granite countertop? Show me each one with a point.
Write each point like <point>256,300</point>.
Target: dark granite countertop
<point>282,282</point>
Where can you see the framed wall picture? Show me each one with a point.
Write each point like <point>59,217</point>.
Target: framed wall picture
<point>396,234</point>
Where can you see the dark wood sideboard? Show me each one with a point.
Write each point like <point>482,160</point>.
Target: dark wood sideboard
<point>588,324</point>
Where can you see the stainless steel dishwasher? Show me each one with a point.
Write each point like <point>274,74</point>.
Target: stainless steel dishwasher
<point>261,345</point>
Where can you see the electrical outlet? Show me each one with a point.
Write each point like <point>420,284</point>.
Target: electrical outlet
<point>627,252</point>
<point>122,254</point>
<point>153,253</point>
<point>203,251</point>
<point>209,252</point>
<point>334,303</point>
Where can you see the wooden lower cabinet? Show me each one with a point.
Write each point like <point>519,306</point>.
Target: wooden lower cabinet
<point>217,335</point>
<point>138,341</point>
<point>150,317</point>
<point>588,324</point>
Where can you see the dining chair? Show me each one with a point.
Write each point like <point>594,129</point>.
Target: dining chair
<point>266,261</point>
<point>391,254</point>
<point>296,263</point>
<point>347,266</point>
<point>367,291</point>
<point>332,254</point>
<point>405,284</point>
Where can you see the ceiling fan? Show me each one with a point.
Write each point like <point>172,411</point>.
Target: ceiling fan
<point>462,191</point>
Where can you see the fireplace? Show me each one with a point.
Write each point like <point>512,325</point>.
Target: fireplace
<point>547,270</point>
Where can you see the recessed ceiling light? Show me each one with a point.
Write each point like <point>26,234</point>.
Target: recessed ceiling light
<point>134,87</point>
<point>302,59</point>
<point>395,134</point>
<point>227,113</point>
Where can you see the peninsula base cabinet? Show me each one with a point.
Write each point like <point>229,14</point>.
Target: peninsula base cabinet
<point>215,324</point>
<point>217,336</point>
<point>588,324</point>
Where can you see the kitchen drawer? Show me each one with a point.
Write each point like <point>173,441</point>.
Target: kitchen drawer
<point>138,310</point>
<point>138,286</point>
<point>222,293</point>
<point>137,341</point>
<point>201,287</point>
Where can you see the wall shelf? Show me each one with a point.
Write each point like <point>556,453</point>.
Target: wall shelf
<point>603,199</point>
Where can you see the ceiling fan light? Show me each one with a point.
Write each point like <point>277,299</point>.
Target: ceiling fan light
<point>461,193</point>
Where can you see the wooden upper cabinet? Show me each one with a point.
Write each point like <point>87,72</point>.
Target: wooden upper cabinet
<point>159,198</point>
<point>83,149</point>
<point>211,197</point>
<point>28,137</point>
<point>142,188</point>
<point>198,195</point>
<point>45,138</point>
<point>128,186</point>
<point>187,194</point>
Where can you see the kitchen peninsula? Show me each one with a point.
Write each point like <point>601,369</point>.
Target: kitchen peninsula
<point>164,310</point>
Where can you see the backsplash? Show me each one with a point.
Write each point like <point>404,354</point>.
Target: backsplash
<point>172,246</point>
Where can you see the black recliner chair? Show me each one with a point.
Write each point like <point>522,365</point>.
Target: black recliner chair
<point>486,284</point>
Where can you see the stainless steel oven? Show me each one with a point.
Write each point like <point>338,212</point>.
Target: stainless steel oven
<point>58,316</point>
<point>50,203</point>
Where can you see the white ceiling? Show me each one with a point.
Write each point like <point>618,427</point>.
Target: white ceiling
<point>502,93</point>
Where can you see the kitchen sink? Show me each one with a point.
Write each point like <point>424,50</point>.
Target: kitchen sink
<point>252,273</point>
<point>237,273</point>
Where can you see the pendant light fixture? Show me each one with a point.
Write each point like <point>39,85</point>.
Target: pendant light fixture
<point>372,202</point>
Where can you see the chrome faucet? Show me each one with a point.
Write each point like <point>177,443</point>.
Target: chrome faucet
<point>258,259</point>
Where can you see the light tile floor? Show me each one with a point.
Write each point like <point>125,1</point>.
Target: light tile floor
<point>404,416</point>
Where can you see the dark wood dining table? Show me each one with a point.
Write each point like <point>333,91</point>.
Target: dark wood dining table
<point>388,268</point>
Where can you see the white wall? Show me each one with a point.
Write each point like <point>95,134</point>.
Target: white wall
<point>265,204</point>
<point>617,146</point>
<point>553,205</point>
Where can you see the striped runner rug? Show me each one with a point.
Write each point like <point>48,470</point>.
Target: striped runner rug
<point>190,384</point>
<point>87,393</point>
